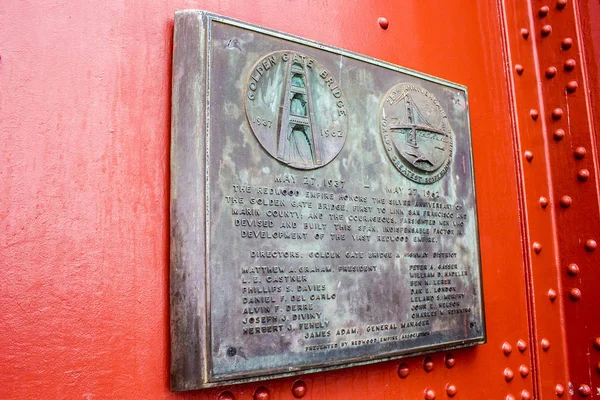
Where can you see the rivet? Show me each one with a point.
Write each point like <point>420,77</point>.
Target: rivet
<point>584,390</point>
<point>545,343</point>
<point>573,269</point>
<point>559,134</point>
<point>583,175</point>
<point>524,370</point>
<point>597,343</point>
<point>546,30</point>
<point>543,202</point>
<point>550,72</point>
<point>525,33</point>
<point>403,370</point>
<point>506,348</point>
<point>572,86</point>
<point>552,294</point>
<point>508,374</point>
<point>570,64</point>
<point>525,395</point>
<point>383,22</point>
<point>557,113</point>
<point>226,396</point>
<point>534,114</point>
<point>522,345</point>
<point>231,351</point>
<point>299,389</point>
<point>543,11</point>
<point>580,152</point>
<point>451,390</point>
<point>575,294</point>
<point>560,4</point>
<point>428,364</point>
<point>566,201</point>
<point>559,390</point>
<point>528,155</point>
<point>566,43</point>
<point>510,397</point>
<point>537,247</point>
<point>590,245</point>
<point>429,394</point>
<point>262,393</point>
<point>598,367</point>
<point>450,361</point>
<point>519,68</point>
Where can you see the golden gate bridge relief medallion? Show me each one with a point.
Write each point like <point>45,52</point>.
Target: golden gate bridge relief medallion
<point>296,109</point>
<point>416,134</point>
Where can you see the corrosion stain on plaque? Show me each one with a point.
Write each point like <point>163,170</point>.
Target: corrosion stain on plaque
<point>416,133</point>
<point>296,109</point>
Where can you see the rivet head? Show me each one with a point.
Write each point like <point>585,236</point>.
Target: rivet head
<point>552,294</point>
<point>566,201</point>
<point>575,294</point>
<point>572,86</point>
<point>550,72</point>
<point>546,30</point>
<point>584,391</point>
<point>537,247</point>
<point>528,155</point>
<point>557,113</point>
<point>262,393</point>
<point>506,348</point>
<point>598,367</point>
<point>580,152</point>
<point>543,202</point>
<point>525,395</point>
<point>508,374</point>
<point>449,361</point>
<point>428,364</point>
<point>559,390</point>
<point>299,389</point>
<point>451,390</point>
<point>519,68</point>
<point>583,175</point>
<point>383,22</point>
<point>534,114</point>
<point>570,64</point>
<point>590,245</point>
<point>226,396</point>
<point>522,345</point>
<point>566,43</point>
<point>558,134</point>
<point>545,343</point>
<point>403,370</point>
<point>524,370</point>
<point>429,394</point>
<point>597,343</point>
<point>543,11</point>
<point>560,4</point>
<point>525,33</point>
<point>573,269</point>
<point>510,397</point>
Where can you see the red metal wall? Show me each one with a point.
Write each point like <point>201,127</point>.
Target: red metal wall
<point>84,194</point>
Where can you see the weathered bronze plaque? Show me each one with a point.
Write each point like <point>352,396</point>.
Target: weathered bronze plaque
<point>322,208</point>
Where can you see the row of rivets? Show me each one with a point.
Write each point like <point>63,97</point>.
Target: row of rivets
<point>428,365</point>
<point>262,393</point>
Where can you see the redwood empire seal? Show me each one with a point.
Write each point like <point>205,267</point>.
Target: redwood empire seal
<point>415,132</point>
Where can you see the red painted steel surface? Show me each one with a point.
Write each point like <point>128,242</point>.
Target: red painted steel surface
<point>84,232</point>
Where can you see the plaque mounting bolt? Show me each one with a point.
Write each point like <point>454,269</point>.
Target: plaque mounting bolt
<point>299,389</point>
<point>383,22</point>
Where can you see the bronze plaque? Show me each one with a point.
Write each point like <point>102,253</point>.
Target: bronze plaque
<point>323,208</point>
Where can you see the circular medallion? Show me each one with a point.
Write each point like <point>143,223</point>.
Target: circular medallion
<point>296,109</point>
<point>416,134</point>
